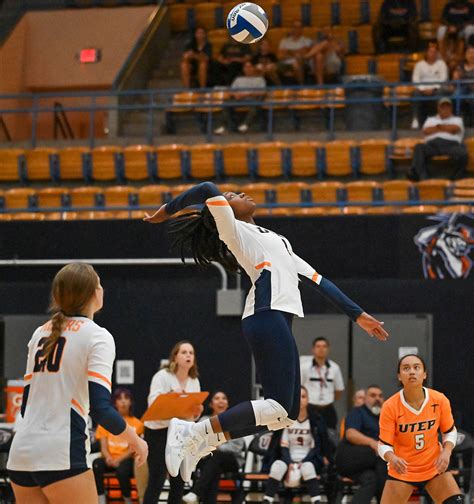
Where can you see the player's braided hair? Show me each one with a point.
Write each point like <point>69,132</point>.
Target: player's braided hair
<point>196,232</point>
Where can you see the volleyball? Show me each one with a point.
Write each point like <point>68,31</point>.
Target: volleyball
<point>247,23</point>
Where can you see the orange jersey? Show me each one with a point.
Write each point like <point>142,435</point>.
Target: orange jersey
<point>116,445</point>
<point>414,434</point>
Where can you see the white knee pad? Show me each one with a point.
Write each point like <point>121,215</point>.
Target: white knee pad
<point>308,471</point>
<point>278,470</point>
<point>268,412</point>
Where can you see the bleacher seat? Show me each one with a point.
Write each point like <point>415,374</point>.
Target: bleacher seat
<point>309,212</point>
<point>304,159</point>
<point>21,197</point>
<point>373,157</point>
<point>218,38</point>
<point>362,190</point>
<point>209,15</point>
<point>12,164</point>
<point>41,164</point>
<point>326,192</point>
<point>261,192</point>
<point>5,216</point>
<point>469,142</point>
<point>274,35</point>
<point>51,197</point>
<point>398,190</point>
<point>118,196</point>
<point>30,216</point>
<point>457,209</point>
<point>435,190</point>
<point>202,161</point>
<point>270,159</point>
<point>73,163</point>
<point>357,64</point>
<point>106,163</point>
<point>84,196</point>
<point>291,11</point>
<point>291,192</point>
<point>139,162</point>
<point>388,67</point>
<point>153,195</point>
<point>420,209</point>
<point>350,13</point>
<point>347,210</point>
<point>373,10</point>
<point>463,189</point>
<point>235,159</point>
<point>170,161</point>
<point>339,158</point>
<point>365,41</point>
<point>381,210</point>
<point>180,15</point>
<point>322,12</point>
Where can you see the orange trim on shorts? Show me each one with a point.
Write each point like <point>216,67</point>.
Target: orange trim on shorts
<point>314,278</point>
<point>101,377</point>
<point>78,406</point>
<point>28,377</point>
<point>217,203</point>
<point>263,264</point>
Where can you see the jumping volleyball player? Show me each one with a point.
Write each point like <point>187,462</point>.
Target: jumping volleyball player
<point>68,371</point>
<point>409,425</point>
<point>224,231</point>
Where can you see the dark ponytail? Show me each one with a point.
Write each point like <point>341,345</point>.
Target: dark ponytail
<point>196,233</point>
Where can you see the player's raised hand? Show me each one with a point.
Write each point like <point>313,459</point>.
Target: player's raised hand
<point>159,216</point>
<point>372,326</point>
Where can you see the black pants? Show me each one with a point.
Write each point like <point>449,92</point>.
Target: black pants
<point>327,412</point>
<point>439,147</point>
<point>363,465</point>
<point>123,472</point>
<point>228,116</point>
<point>207,486</point>
<point>156,439</point>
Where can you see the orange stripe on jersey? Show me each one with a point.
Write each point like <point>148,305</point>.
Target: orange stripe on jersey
<point>217,203</point>
<point>28,377</point>
<point>263,264</point>
<point>315,276</point>
<point>78,406</point>
<point>101,377</point>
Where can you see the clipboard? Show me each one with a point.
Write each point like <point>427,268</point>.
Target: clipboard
<point>174,404</point>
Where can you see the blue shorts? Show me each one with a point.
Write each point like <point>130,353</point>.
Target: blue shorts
<point>42,478</point>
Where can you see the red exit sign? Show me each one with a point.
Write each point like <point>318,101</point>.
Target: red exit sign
<point>89,55</point>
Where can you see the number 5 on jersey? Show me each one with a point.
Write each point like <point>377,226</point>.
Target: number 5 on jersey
<point>53,361</point>
<point>419,441</point>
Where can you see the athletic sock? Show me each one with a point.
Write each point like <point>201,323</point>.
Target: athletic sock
<point>238,417</point>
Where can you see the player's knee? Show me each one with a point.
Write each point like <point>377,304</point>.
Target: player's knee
<point>278,470</point>
<point>270,413</point>
<point>454,499</point>
<point>308,471</point>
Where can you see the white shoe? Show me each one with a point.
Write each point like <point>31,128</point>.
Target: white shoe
<point>243,128</point>
<point>190,497</point>
<point>191,460</point>
<point>414,124</point>
<point>181,440</point>
<point>220,130</point>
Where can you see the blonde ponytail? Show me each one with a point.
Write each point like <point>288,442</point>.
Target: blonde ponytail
<point>57,321</point>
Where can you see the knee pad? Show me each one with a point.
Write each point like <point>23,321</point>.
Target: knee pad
<point>269,412</point>
<point>308,471</point>
<point>454,499</point>
<point>283,423</point>
<point>278,470</point>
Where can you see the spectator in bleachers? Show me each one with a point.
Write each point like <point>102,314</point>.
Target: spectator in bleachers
<point>303,447</point>
<point>451,48</point>
<point>324,382</point>
<point>465,71</point>
<point>397,18</point>
<point>357,455</point>
<point>291,52</point>
<point>358,399</point>
<point>266,63</point>
<point>433,71</point>
<point>443,135</point>
<point>458,15</point>
<point>327,55</point>
<point>196,57</point>
<point>116,455</point>
<point>253,87</point>
<point>227,458</point>
<point>230,62</point>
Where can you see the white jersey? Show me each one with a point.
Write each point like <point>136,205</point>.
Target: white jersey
<point>53,435</point>
<point>268,260</point>
<point>298,439</point>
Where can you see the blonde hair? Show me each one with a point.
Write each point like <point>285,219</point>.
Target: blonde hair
<point>72,289</point>
<point>171,366</point>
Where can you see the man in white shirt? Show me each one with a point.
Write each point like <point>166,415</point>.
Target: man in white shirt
<point>433,71</point>
<point>443,137</point>
<point>291,52</point>
<point>323,380</point>
<point>254,86</point>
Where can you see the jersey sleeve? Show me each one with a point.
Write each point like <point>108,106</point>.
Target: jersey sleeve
<point>225,221</point>
<point>101,359</point>
<point>446,422</point>
<point>387,424</point>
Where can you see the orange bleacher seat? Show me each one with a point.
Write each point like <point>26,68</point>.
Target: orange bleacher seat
<point>108,214</point>
<point>338,158</point>
<point>373,156</point>
<point>336,97</point>
<point>202,161</point>
<point>291,11</point>
<point>304,158</point>
<point>19,197</point>
<point>420,209</point>
<point>463,189</point>
<point>28,216</point>
<point>398,95</point>
<point>348,210</point>
<point>10,164</point>
<point>105,162</point>
<point>179,17</point>
<point>51,197</point>
<point>212,102</point>
<point>435,189</point>
<point>457,209</point>
<point>388,67</point>
<point>259,191</point>
<point>402,149</point>
<point>5,216</point>
<point>350,13</point>
<point>274,35</point>
<point>362,190</point>
<point>374,9</point>
<point>365,41</point>
<point>309,212</point>
<point>84,196</point>
<point>436,9</point>
<point>309,95</point>
<point>397,190</point>
<point>169,161</point>
<point>138,160</point>
<point>235,159</point>
<point>206,14</point>
<point>72,162</point>
<point>342,33</point>
<point>279,99</point>
<point>357,64</point>
<point>40,163</point>
<point>218,38</point>
<point>153,195</point>
<point>235,188</point>
<point>325,192</point>
<point>273,212</point>
<point>381,210</point>
<point>118,195</point>
<point>321,12</point>
<point>291,192</point>
<point>469,142</point>
<point>184,102</point>
<point>270,159</point>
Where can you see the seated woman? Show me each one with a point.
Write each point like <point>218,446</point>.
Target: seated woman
<point>228,457</point>
<point>116,455</point>
<point>303,447</point>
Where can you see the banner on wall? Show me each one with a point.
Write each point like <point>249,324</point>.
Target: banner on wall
<point>446,246</point>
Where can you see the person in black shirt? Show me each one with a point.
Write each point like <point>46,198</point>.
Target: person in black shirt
<point>397,18</point>
<point>230,62</point>
<point>357,455</point>
<point>458,15</point>
<point>196,57</point>
<point>265,62</point>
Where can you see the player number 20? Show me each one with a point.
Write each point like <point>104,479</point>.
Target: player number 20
<point>419,441</point>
